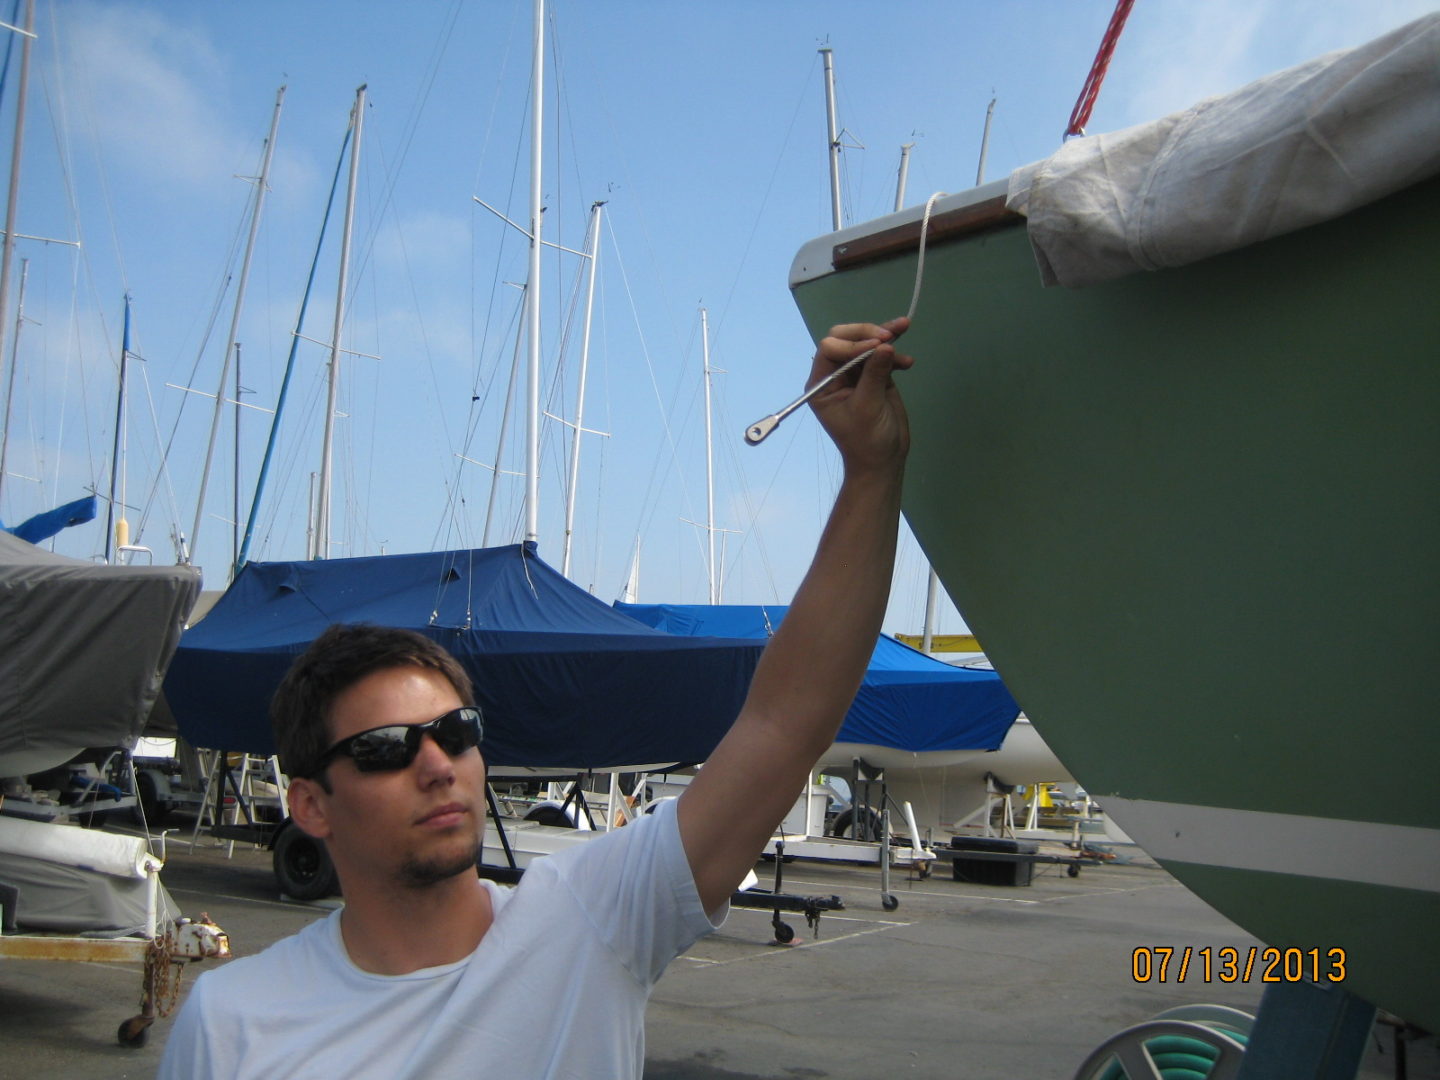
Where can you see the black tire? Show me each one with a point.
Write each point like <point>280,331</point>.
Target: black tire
<point>1073,870</point>
<point>151,806</point>
<point>93,819</point>
<point>550,815</point>
<point>889,902</point>
<point>133,1033</point>
<point>842,825</point>
<point>303,869</point>
<point>784,933</point>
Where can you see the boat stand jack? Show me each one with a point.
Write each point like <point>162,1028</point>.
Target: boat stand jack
<point>811,906</point>
<point>165,958</point>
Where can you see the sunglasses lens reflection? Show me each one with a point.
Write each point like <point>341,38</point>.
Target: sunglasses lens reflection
<point>395,746</point>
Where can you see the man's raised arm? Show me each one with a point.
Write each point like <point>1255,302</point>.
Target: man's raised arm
<point>812,667</point>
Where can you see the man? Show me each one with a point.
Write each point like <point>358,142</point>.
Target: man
<point>428,971</point>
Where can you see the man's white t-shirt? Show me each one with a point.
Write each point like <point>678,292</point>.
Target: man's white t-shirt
<point>557,988</point>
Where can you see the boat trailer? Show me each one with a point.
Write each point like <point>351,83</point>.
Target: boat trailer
<point>162,954</point>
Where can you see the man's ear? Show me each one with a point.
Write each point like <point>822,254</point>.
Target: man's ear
<point>308,804</point>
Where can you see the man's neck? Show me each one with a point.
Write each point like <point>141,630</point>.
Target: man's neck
<point>405,929</point>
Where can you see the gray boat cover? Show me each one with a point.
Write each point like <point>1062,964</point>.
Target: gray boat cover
<point>74,900</point>
<point>83,648</point>
<point>1293,149</point>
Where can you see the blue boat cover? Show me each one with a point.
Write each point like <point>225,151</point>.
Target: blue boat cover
<point>908,701</point>
<point>563,679</point>
<point>44,525</point>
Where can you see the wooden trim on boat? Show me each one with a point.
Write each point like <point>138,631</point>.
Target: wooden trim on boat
<point>962,221</point>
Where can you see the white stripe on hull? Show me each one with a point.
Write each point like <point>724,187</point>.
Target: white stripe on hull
<point>1400,856</point>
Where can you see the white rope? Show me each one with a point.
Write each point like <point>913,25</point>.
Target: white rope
<point>757,432</point>
<point>920,258</point>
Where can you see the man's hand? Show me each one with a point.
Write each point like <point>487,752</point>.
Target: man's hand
<point>862,411</point>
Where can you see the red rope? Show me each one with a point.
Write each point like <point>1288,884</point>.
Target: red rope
<point>1091,90</point>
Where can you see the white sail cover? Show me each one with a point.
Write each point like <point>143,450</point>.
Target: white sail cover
<point>83,648</point>
<point>70,845</point>
<point>1293,149</point>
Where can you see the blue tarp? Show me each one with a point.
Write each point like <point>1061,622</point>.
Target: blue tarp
<point>564,680</point>
<point>908,701</point>
<point>43,526</point>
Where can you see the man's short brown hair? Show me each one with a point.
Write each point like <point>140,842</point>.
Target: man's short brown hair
<point>336,660</point>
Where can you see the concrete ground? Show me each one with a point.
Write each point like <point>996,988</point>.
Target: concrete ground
<point>960,981</point>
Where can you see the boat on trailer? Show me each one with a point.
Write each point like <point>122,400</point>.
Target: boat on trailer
<point>1211,455</point>
<point>927,731</point>
<point>85,649</point>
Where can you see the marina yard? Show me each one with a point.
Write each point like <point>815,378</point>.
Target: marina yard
<point>960,981</point>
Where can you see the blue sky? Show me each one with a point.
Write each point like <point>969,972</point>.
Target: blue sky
<point>701,125</point>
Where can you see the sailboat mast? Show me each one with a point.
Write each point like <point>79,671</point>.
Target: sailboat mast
<point>984,144</point>
<point>235,473</point>
<point>903,176</point>
<point>270,440</point>
<point>12,202</point>
<point>593,254</point>
<point>322,510</point>
<point>834,137</point>
<point>116,455</point>
<point>532,291</point>
<point>709,460</point>
<point>504,429</point>
<point>230,343</point>
<point>14,361</point>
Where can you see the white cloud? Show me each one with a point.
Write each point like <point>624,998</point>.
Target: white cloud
<point>149,89</point>
<point>438,242</point>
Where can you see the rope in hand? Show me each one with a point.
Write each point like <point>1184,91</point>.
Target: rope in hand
<point>1080,115</point>
<point>757,432</point>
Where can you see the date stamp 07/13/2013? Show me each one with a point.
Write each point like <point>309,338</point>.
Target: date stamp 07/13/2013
<point>1181,963</point>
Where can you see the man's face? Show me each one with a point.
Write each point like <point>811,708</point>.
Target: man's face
<point>413,826</point>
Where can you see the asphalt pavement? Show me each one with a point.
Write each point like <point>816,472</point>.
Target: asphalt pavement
<point>958,981</point>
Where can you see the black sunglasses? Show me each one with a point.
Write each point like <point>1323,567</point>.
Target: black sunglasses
<point>394,746</point>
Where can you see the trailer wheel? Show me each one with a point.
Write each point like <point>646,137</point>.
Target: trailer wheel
<point>93,819</point>
<point>135,1032</point>
<point>784,933</point>
<point>845,821</point>
<point>552,815</point>
<point>154,809</point>
<point>889,902</point>
<point>303,868</point>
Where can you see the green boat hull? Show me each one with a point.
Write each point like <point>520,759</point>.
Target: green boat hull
<point>1194,518</point>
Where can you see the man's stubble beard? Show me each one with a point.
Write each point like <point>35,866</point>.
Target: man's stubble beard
<point>420,873</point>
